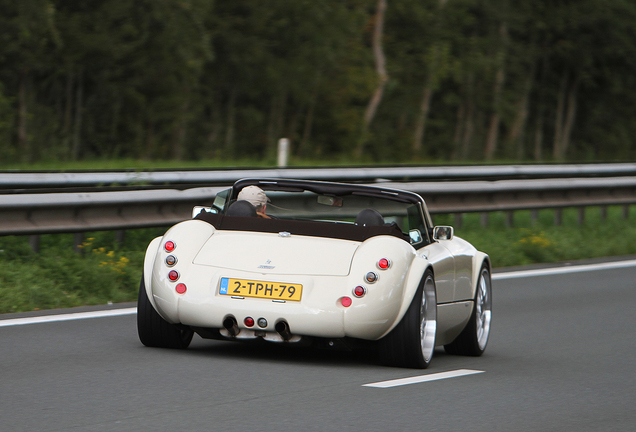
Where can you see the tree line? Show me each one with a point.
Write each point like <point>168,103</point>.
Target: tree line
<point>368,80</point>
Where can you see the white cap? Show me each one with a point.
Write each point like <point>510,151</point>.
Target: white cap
<point>254,195</point>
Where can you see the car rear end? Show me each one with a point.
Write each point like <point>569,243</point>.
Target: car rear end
<point>277,286</point>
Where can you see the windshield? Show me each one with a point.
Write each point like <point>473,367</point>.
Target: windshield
<point>347,209</point>
<point>308,205</point>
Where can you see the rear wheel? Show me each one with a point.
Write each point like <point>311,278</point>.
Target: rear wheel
<point>412,342</point>
<point>473,339</point>
<point>154,331</point>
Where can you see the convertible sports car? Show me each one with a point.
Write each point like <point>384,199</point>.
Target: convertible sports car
<point>330,263</point>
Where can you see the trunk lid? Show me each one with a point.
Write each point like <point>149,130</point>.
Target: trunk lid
<point>277,253</point>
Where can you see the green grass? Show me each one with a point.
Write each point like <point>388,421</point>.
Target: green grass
<point>136,164</point>
<point>140,164</point>
<point>59,277</point>
<point>105,271</point>
<point>543,242</point>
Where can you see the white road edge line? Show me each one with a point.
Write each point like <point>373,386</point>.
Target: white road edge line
<point>68,317</point>
<point>564,270</point>
<point>496,276</point>
<point>423,378</point>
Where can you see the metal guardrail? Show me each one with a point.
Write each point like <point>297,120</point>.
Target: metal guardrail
<point>43,213</point>
<point>174,179</point>
<point>510,195</point>
<point>97,211</point>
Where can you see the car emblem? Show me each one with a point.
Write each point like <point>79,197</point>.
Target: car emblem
<point>284,234</point>
<point>266,265</point>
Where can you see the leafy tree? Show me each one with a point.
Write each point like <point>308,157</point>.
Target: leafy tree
<point>188,79</point>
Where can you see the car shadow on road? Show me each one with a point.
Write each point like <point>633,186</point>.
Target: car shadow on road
<point>317,354</point>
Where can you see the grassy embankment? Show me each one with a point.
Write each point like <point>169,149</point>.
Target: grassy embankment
<point>105,271</point>
<point>266,162</point>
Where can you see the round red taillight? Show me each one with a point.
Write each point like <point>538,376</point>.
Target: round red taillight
<point>249,322</point>
<point>384,264</point>
<point>169,246</point>
<point>345,301</point>
<point>371,277</point>
<point>359,291</point>
<point>173,275</point>
<point>180,288</point>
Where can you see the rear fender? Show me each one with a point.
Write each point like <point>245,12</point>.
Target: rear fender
<point>478,261</point>
<point>149,259</point>
<point>418,266</point>
<point>189,236</point>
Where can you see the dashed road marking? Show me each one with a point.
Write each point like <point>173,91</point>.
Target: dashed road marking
<point>423,378</point>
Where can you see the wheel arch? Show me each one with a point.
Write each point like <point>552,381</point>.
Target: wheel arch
<point>480,259</point>
<point>190,235</point>
<point>415,278</point>
<point>149,262</point>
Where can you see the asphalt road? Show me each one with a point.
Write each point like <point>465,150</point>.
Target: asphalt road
<point>562,357</point>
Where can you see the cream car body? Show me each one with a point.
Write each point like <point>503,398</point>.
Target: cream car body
<point>327,269</point>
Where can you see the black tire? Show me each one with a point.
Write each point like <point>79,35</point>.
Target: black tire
<point>473,339</point>
<point>154,331</point>
<point>412,342</point>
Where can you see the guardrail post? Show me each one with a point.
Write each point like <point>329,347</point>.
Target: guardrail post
<point>120,235</point>
<point>459,219</point>
<point>581,217</point>
<point>603,212</point>
<point>534,216</point>
<point>558,216</point>
<point>510,218</point>
<point>626,211</point>
<point>34,242</point>
<point>484,220</point>
<point>78,239</point>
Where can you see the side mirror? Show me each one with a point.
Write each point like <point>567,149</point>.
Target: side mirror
<point>415,235</point>
<point>443,233</point>
<point>198,209</point>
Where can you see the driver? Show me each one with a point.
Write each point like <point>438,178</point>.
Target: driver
<point>255,196</point>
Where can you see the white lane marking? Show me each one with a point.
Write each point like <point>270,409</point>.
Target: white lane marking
<point>496,276</point>
<point>68,317</point>
<point>564,270</point>
<point>423,378</point>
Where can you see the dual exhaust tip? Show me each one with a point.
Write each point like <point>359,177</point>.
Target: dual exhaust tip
<point>231,326</point>
<point>282,328</point>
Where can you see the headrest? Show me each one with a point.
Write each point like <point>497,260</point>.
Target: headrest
<point>241,208</point>
<point>369,217</point>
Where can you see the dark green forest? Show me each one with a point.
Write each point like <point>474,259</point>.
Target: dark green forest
<point>359,80</point>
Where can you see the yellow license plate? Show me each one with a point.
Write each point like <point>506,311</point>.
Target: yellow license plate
<point>261,289</point>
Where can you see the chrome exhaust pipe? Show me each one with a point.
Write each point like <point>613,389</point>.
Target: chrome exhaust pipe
<point>282,328</point>
<point>231,326</point>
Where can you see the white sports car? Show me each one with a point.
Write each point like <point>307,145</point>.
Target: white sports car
<point>329,263</point>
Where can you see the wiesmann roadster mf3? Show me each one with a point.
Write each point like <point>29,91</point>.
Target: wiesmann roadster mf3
<point>317,262</point>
